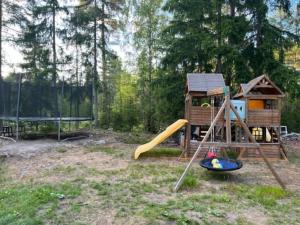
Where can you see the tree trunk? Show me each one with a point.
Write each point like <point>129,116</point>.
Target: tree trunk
<point>77,79</point>
<point>95,77</point>
<point>35,74</point>
<point>0,40</point>
<point>258,27</point>
<point>54,72</point>
<point>1,83</point>
<point>281,54</point>
<point>229,71</point>
<point>106,110</point>
<point>150,70</point>
<point>219,38</point>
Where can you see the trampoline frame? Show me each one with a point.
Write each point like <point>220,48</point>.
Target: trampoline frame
<point>58,120</point>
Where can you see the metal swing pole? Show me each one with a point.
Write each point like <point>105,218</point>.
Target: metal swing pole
<point>179,182</point>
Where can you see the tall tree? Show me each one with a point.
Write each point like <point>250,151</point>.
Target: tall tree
<point>109,24</point>
<point>1,84</point>
<point>46,9</point>
<point>101,22</point>
<point>148,22</point>
<point>32,41</point>
<point>5,6</point>
<point>79,36</point>
<point>1,18</point>
<point>236,36</point>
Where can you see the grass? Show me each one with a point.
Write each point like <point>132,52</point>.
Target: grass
<point>162,152</point>
<point>264,195</point>
<point>191,181</point>
<point>105,149</point>
<point>135,138</point>
<point>21,204</point>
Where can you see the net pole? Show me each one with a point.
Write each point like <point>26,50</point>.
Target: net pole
<point>61,108</point>
<point>91,107</point>
<point>2,99</point>
<point>70,106</point>
<point>18,106</point>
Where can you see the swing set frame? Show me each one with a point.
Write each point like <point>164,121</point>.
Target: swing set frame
<point>226,107</point>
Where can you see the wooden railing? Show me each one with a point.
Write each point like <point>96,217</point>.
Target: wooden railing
<point>271,150</point>
<point>263,117</point>
<point>202,115</point>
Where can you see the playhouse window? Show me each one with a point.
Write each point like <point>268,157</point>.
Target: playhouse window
<point>195,133</point>
<point>271,104</point>
<point>272,134</point>
<point>256,104</point>
<point>198,101</point>
<point>198,132</point>
<point>257,133</point>
<point>265,134</point>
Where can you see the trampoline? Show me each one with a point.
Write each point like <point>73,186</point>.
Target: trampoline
<point>30,102</point>
<point>228,164</point>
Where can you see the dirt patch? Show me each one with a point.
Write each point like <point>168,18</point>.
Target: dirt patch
<point>53,166</point>
<point>252,215</point>
<point>195,216</point>
<point>159,198</point>
<point>27,149</point>
<point>31,148</point>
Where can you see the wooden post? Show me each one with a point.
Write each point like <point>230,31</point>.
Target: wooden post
<point>246,109</point>
<point>241,153</point>
<point>228,122</point>
<point>260,151</point>
<point>179,182</point>
<point>188,126</point>
<point>282,151</point>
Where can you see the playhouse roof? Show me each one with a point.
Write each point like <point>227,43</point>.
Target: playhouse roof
<point>203,82</point>
<point>261,82</point>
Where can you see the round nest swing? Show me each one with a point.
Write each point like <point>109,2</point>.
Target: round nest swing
<point>228,164</point>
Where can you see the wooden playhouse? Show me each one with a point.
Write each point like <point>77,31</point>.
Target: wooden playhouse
<point>258,101</point>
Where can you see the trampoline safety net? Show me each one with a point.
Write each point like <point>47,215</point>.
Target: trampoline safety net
<point>41,99</point>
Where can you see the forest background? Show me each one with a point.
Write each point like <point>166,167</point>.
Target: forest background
<point>135,54</point>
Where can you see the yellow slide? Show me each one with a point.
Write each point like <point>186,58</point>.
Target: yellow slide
<point>160,138</point>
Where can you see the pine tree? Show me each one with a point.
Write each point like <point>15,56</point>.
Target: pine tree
<point>100,21</point>
<point>108,25</point>
<point>76,37</point>
<point>31,41</point>
<point>44,10</point>
<point>148,22</point>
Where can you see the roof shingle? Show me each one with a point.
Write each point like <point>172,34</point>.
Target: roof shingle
<point>204,81</point>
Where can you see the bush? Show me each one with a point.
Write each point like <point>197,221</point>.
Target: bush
<point>48,128</point>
